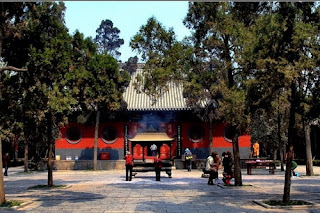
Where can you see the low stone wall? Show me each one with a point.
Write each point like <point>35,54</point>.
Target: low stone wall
<point>88,164</point>
<point>197,164</point>
<point>201,164</point>
<point>116,164</point>
<point>109,164</point>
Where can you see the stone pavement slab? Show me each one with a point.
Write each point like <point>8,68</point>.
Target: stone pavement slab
<point>107,191</point>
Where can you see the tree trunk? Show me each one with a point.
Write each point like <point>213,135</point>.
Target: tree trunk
<point>95,150</point>
<point>50,162</point>
<point>281,150</point>
<point>26,156</point>
<point>210,136</point>
<point>288,174</point>
<point>275,153</point>
<point>237,165</point>
<point>1,34</point>
<point>314,133</point>
<point>309,164</point>
<point>2,191</point>
<point>228,61</point>
<point>280,143</point>
<point>291,137</point>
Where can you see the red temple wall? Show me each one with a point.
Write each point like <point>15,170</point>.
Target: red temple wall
<point>87,140</point>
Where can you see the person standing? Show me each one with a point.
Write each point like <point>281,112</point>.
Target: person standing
<point>157,166</point>
<point>188,158</point>
<point>129,165</point>
<point>256,149</point>
<point>227,163</point>
<point>153,149</point>
<point>6,160</point>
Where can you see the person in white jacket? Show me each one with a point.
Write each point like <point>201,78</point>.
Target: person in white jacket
<point>212,166</point>
<point>153,149</point>
<point>188,157</point>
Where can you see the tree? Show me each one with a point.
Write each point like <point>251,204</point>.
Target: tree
<point>131,65</point>
<point>279,56</point>
<point>308,54</point>
<point>270,127</point>
<point>97,82</point>
<point>12,23</point>
<point>107,86</point>
<point>215,44</point>
<point>165,57</point>
<point>46,80</point>
<point>219,36</point>
<point>9,108</point>
<point>108,39</point>
<point>13,26</point>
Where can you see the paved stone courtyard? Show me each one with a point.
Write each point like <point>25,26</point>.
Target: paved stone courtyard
<point>107,191</point>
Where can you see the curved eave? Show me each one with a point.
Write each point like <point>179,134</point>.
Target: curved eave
<point>151,137</point>
<point>158,109</point>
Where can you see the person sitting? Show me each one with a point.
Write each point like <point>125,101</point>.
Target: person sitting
<point>212,166</point>
<point>293,167</point>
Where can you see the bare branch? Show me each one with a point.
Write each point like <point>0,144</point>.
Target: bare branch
<point>11,68</point>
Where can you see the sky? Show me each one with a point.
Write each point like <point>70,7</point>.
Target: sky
<point>127,16</point>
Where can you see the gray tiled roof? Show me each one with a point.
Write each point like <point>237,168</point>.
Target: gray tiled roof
<point>171,100</point>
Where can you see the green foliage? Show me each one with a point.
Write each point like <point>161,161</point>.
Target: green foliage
<point>153,40</point>
<point>131,65</point>
<point>11,203</point>
<point>9,106</point>
<point>105,83</point>
<point>13,30</point>
<point>64,73</point>
<point>166,58</point>
<point>46,186</point>
<point>233,108</point>
<point>94,79</point>
<point>290,203</point>
<point>44,86</point>
<point>219,37</point>
<point>49,60</point>
<point>284,50</point>
<point>107,38</point>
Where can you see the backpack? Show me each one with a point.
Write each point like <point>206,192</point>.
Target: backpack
<point>208,163</point>
<point>189,157</point>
